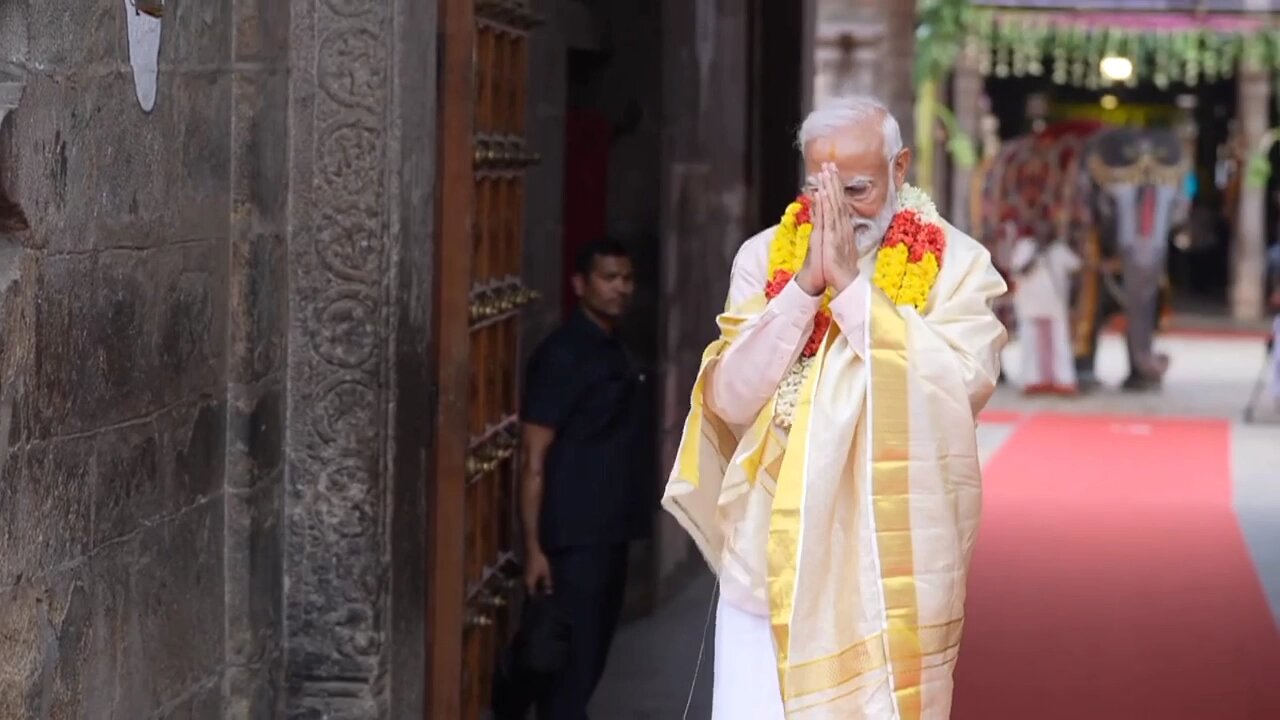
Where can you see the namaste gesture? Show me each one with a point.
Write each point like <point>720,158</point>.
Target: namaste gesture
<point>832,259</point>
<point>832,368</point>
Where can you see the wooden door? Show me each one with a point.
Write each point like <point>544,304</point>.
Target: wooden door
<point>479,293</point>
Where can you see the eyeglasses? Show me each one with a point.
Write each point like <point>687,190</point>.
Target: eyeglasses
<point>857,188</point>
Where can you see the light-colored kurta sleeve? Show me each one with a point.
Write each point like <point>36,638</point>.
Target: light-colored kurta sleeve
<point>961,316</point>
<point>849,310</point>
<point>743,379</point>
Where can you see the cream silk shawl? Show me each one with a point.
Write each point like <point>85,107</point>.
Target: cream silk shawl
<point>876,496</point>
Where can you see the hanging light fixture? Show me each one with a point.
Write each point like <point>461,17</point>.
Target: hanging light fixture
<point>154,8</point>
<point>1116,68</point>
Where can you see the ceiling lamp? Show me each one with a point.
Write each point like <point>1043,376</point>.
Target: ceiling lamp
<point>1116,68</point>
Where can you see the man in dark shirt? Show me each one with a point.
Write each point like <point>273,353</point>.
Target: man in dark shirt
<point>581,500</point>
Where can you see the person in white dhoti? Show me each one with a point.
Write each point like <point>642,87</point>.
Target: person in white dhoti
<point>828,469</point>
<point>1042,274</point>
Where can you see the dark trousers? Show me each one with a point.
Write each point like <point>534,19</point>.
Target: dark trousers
<point>589,584</point>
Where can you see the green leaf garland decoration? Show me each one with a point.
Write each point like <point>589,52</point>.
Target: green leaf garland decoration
<point>959,145</point>
<point>1023,43</point>
<point>944,29</point>
<point>1257,169</point>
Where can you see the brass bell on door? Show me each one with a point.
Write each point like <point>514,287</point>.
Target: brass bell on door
<point>154,8</point>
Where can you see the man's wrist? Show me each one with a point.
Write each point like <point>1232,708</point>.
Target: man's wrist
<point>841,281</point>
<point>808,286</point>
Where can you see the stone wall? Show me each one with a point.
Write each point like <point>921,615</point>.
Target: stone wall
<point>114,354</point>
<point>256,352</point>
<point>706,208</point>
<point>544,184</point>
<point>211,498</point>
<point>625,85</point>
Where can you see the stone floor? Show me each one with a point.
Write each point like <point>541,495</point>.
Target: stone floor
<point>651,673</point>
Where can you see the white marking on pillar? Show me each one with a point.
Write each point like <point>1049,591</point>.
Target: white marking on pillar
<point>144,53</point>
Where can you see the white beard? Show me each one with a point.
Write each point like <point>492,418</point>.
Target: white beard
<point>868,233</point>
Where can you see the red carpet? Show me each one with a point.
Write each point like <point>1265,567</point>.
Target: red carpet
<point>1111,581</point>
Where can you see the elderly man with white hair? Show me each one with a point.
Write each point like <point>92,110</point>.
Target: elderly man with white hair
<point>828,469</point>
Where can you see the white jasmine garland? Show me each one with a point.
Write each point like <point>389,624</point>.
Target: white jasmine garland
<point>918,201</point>
<point>784,406</point>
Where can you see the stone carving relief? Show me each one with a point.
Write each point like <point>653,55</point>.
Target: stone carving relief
<point>341,416</point>
<point>350,157</point>
<point>345,242</point>
<point>351,8</point>
<point>337,489</point>
<point>346,333</point>
<point>353,68</point>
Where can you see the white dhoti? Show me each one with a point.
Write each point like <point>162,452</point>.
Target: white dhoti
<point>746,670</point>
<point>1040,302</point>
<point>1047,361</point>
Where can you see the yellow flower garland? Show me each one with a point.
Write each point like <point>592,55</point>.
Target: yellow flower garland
<point>790,245</point>
<point>910,255</point>
<point>906,282</point>
<point>790,242</point>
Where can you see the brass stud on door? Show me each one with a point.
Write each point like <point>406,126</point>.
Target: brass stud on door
<point>477,620</point>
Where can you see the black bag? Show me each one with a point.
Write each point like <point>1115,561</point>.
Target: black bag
<point>542,642</point>
<point>535,656</point>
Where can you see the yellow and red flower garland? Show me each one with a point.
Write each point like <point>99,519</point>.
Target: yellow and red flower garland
<point>906,269</point>
<point>911,254</point>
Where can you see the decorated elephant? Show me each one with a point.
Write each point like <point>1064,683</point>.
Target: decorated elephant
<point>1033,186</point>
<point>1033,181</point>
<point>1107,191</point>
<point>1134,187</point>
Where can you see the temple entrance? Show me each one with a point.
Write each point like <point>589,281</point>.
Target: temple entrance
<point>479,293</point>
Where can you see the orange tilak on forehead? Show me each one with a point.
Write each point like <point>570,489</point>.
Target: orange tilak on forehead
<point>824,150</point>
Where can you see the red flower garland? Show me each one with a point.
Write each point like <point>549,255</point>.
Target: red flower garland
<point>920,237</point>
<point>821,322</point>
<point>777,283</point>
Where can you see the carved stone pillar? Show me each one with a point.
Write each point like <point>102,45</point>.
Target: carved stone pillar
<point>966,94</point>
<point>1248,253</point>
<point>704,212</point>
<point>808,54</point>
<point>257,317</point>
<point>846,59</point>
<point>360,177</point>
<point>336,444</point>
<point>866,48</point>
